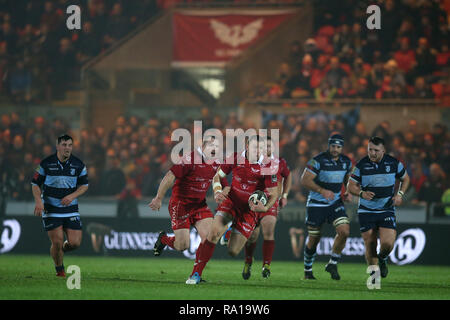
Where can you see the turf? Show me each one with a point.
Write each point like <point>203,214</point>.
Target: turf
<point>33,277</point>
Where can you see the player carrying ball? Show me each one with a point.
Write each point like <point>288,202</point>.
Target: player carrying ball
<point>247,169</point>
<point>267,220</point>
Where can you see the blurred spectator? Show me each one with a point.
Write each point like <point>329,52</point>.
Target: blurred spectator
<point>20,83</point>
<point>425,59</point>
<point>128,201</point>
<point>421,89</point>
<point>433,189</point>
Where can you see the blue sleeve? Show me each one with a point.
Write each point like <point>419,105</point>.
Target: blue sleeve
<point>313,166</point>
<point>400,171</point>
<point>82,179</point>
<point>39,176</point>
<point>356,174</point>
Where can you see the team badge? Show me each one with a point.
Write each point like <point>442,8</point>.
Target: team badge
<point>274,178</point>
<point>72,172</point>
<point>345,166</point>
<point>388,168</point>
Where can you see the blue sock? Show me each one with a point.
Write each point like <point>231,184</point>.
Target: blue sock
<point>309,256</point>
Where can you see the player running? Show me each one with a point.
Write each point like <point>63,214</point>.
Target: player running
<point>247,170</point>
<point>373,180</point>
<point>63,178</point>
<point>324,176</point>
<point>267,220</point>
<point>187,205</point>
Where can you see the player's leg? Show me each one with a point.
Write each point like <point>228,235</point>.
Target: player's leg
<point>73,239</point>
<point>181,224</point>
<point>315,217</point>
<point>342,226</point>
<point>56,237</point>
<point>249,250</point>
<point>370,243</point>
<point>203,227</point>
<point>268,223</point>
<point>206,248</point>
<point>309,254</point>
<point>387,241</point>
<point>72,227</point>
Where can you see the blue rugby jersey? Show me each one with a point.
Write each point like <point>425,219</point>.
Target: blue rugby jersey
<point>380,179</point>
<point>59,180</point>
<point>330,175</point>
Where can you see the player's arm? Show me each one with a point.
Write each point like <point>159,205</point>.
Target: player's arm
<point>220,193</point>
<point>67,200</point>
<point>82,187</point>
<point>354,188</point>
<point>404,185</point>
<point>166,183</point>
<point>39,205</point>
<point>347,195</point>
<point>287,185</point>
<point>307,181</point>
<point>36,183</point>
<point>273,195</point>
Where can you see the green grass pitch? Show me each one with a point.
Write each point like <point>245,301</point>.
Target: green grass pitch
<point>33,277</point>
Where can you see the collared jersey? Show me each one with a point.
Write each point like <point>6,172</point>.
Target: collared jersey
<point>380,179</point>
<point>247,178</point>
<point>59,180</point>
<point>330,175</point>
<point>193,180</point>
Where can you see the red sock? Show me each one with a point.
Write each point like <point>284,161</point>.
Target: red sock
<point>268,247</point>
<point>204,253</point>
<point>249,248</point>
<point>168,241</point>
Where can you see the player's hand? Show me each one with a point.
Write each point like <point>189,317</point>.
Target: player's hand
<point>219,197</point>
<point>258,207</point>
<point>398,200</point>
<point>347,197</point>
<point>39,207</point>
<point>283,202</point>
<point>327,194</point>
<point>367,195</point>
<point>155,204</point>
<point>67,200</point>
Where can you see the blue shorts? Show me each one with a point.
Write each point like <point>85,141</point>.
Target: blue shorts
<point>51,223</point>
<point>316,216</point>
<point>376,220</point>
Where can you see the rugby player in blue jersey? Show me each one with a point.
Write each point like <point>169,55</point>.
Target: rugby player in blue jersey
<point>373,180</point>
<point>63,178</point>
<point>324,176</point>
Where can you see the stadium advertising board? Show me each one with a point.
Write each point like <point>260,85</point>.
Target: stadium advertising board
<point>415,244</point>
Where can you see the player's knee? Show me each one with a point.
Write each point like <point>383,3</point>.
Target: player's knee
<point>233,252</point>
<point>75,244</point>
<point>343,233</point>
<point>181,245</point>
<point>57,244</point>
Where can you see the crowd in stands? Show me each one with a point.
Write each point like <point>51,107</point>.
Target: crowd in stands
<point>40,57</point>
<point>131,160</point>
<point>408,57</point>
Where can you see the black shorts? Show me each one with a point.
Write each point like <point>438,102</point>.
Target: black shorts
<point>51,223</point>
<point>316,216</point>
<point>369,221</point>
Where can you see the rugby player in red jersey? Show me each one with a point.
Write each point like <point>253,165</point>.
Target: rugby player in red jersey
<point>248,176</point>
<point>267,220</point>
<point>187,205</point>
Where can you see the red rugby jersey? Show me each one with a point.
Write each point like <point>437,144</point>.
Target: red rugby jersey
<point>193,180</point>
<point>247,178</point>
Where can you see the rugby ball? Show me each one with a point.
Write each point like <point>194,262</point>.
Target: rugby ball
<point>258,195</point>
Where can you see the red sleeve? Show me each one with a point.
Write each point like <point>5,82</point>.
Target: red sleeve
<point>284,169</point>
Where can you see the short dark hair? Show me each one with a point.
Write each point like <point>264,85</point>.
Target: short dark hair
<point>377,140</point>
<point>64,137</point>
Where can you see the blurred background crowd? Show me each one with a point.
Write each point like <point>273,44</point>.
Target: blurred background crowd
<point>407,58</point>
<point>131,160</point>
